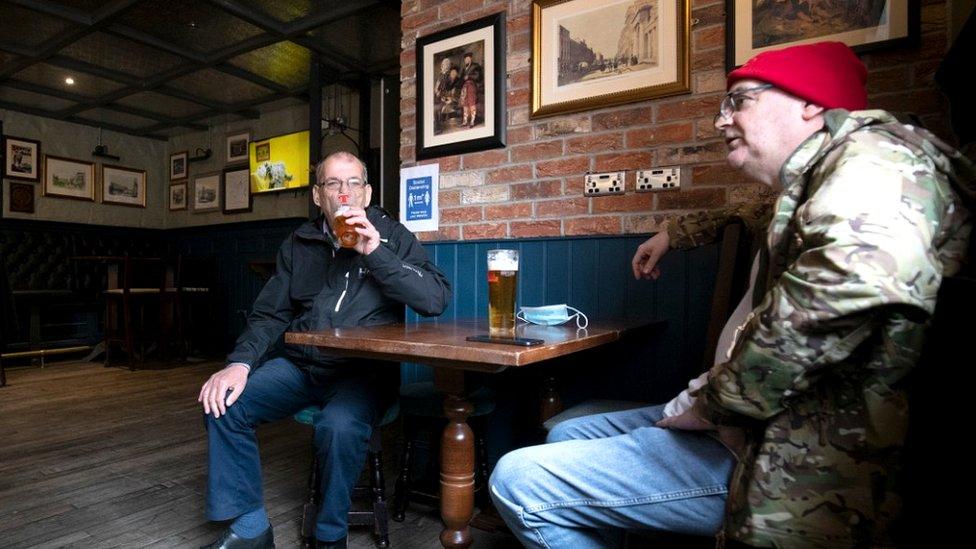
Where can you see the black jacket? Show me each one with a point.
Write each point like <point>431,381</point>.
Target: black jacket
<point>318,285</point>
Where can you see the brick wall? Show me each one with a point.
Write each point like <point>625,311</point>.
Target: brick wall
<point>534,186</point>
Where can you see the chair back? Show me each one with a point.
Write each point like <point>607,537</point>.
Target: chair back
<point>731,282</point>
<point>143,274</point>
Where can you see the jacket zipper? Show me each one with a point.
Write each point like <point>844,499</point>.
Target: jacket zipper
<point>343,295</point>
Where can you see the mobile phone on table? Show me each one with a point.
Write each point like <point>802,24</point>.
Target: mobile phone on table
<point>521,341</point>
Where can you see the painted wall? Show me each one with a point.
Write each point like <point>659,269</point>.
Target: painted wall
<point>534,187</point>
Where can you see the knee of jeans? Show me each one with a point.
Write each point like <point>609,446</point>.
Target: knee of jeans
<point>233,416</point>
<point>562,431</point>
<point>341,428</point>
<point>502,475</point>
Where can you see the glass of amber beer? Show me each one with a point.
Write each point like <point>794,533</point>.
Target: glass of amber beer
<point>502,280</point>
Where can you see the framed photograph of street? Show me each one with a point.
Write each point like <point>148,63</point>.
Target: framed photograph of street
<point>22,158</point>
<point>178,165</point>
<point>237,147</point>
<point>589,54</point>
<point>206,193</point>
<point>177,196</point>
<point>864,26</point>
<point>461,88</point>
<point>69,178</point>
<point>123,186</point>
<point>237,190</point>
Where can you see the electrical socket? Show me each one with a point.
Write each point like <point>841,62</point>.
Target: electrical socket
<point>658,179</point>
<point>598,184</point>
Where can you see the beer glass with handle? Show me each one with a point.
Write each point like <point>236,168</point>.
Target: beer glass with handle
<point>502,283</point>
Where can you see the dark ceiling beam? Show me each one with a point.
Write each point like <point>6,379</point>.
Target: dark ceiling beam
<point>76,120</point>
<point>257,18</point>
<point>247,75</point>
<point>158,43</point>
<point>343,61</point>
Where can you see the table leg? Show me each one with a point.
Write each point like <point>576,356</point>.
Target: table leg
<point>457,462</point>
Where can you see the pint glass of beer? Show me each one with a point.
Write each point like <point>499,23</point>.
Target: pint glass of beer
<point>502,279</point>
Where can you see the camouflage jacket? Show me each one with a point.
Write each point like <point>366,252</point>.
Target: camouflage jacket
<point>869,220</point>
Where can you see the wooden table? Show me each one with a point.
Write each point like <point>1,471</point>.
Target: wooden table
<point>442,344</point>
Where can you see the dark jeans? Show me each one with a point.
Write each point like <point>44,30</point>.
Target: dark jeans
<point>350,408</point>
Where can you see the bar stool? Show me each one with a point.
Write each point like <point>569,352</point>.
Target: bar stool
<point>378,517</point>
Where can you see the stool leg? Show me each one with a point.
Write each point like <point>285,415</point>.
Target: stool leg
<point>311,509</point>
<point>401,492</point>
<point>380,516</point>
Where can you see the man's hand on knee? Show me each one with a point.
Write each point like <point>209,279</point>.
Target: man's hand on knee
<point>223,389</point>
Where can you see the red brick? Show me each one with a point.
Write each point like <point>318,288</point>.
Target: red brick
<point>406,153</point>
<point>459,7</point>
<point>933,18</point>
<point>576,165</point>
<point>448,198</point>
<point>484,231</point>
<point>623,161</point>
<point>519,42</point>
<point>634,202</point>
<point>408,57</point>
<point>688,108</point>
<point>537,151</point>
<point>408,105</point>
<point>521,23</point>
<point>536,189</point>
<point>525,229</point>
<point>460,215</point>
<point>620,119</point>
<point>592,225</point>
<point>408,120</point>
<point>923,101</point>
<point>709,15</point>
<point>406,136</point>
<point>755,193</point>
<point>408,72</point>
<point>409,6</point>
<point>643,224</point>
<point>448,163</point>
<point>691,199</point>
<point>518,98</point>
<point>519,135</point>
<point>508,211</point>
<point>716,174</point>
<point>562,207</point>
<point>705,129</point>
<point>924,74</point>
<point>932,46</point>
<point>710,59</point>
<point>452,232</point>
<point>511,173</point>
<point>595,143</point>
<point>658,135</point>
<point>693,154</point>
<point>708,38</point>
<point>486,159</point>
<point>574,186</point>
<point>519,79</point>
<point>889,80</point>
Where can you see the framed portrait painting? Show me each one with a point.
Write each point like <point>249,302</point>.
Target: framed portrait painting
<point>123,186</point>
<point>753,27</point>
<point>461,89</point>
<point>588,54</point>
<point>237,147</point>
<point>206,193</point>
<point>237,190</point>
<point>177,196</point>
<point>69,178</point>
<point>178,165</point>
<point>22,158</point>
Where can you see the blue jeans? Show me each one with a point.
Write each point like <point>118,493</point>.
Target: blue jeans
<point>278,389</point>
<point>612,471</point>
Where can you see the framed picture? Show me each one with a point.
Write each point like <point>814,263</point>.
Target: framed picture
<point>21,198</point>
<point>69,178</point>
<point>237,147</point>
<point>588,54</point>
<point>206,193</point>
<point>177,196</point>
<point>22,158</point>
<point>237,190</point>
<point>461,88</point>
<point>279,163</point>
<point>123,186</point>
<point>752,28</point>
<point>178,165</point>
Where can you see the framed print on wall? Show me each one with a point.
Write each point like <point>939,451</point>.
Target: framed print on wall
<point>237,147</point>
<point>588,54</point>
<point>461,88</point>
<point>178,165</point>
<point>69,178</point>
<point>237,190</point>
<point>21,198</point>
<point>22,158</point>
<point>123,186</point>
<point>206,193</point>
<point>177,196</point>
<point>751,28</point>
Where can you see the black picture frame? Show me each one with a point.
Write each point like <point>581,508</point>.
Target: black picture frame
<point>439,130</point>
<point>902,25</point>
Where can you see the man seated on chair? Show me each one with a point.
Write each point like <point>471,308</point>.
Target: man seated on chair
<point>317,285</point>
<point>807,411</point>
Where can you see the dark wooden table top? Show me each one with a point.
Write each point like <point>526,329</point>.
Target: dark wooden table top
<point>443,343</point>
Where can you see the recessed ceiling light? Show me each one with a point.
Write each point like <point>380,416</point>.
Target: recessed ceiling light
<point>192,24</point>
<point>69,81</point>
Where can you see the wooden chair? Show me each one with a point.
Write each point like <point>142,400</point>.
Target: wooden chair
<point>192,295</point>
<point>141,289</point>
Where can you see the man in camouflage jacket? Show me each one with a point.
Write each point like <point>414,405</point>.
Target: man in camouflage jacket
<point>811,397</point>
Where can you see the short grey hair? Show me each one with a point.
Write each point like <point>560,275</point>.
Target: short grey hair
<point>340,155</point>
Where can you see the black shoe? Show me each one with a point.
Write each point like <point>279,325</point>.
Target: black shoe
<point>229,540</point>
<point>337,544</point>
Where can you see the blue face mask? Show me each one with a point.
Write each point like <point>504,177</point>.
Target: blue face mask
<point>552,315</point>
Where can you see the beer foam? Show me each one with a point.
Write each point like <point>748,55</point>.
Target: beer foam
<point>503,263</point>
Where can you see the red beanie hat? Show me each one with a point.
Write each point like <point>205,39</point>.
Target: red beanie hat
<point>826,74</point>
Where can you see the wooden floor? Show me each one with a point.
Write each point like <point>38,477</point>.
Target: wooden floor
<point>94,457</point>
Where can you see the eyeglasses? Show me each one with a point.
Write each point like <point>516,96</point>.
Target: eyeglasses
<point>733,101</point>
<point>333,183</point>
